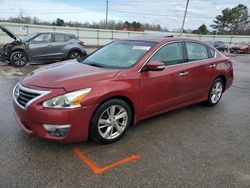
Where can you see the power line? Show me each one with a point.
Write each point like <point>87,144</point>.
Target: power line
<point>166,15</point>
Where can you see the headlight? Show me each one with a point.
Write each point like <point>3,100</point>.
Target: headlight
<point>68,100</point>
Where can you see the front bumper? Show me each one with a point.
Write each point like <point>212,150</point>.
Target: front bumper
<point>33,118</point>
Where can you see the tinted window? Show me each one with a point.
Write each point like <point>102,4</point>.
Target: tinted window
<point>59,38</point>
<point>67,38</point>
<point>169,54</point>
<point>42,38</point>
<point>196,51</point>
<point>212,52</point>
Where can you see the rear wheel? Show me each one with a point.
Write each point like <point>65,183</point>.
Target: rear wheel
<point>18,59</point>
<point>215,92</point>
<point>111,121</point>
<point>74,55</point>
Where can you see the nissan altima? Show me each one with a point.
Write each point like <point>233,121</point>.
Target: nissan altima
<point>119,85</point>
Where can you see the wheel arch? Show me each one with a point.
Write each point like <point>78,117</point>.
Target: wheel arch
<point>121,97</point>
<point>77,49</point>
<point>224,79</point>
<point>20,50</point>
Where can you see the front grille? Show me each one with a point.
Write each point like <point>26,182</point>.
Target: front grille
<point>23,95</point>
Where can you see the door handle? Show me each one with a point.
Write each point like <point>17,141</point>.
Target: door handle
<point>183,74</point>
<point>212,65</point>
<point>50,46</point>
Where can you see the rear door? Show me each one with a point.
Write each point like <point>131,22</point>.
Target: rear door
<point>59,44</point>
<point>161,90</point>
<point>201,68</point>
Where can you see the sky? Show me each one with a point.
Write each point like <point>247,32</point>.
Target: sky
<point>167,13</point>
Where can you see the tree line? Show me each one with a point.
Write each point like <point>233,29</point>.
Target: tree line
<point>111,24</point>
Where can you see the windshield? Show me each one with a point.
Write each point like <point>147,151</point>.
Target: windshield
<point>29,37</point>
<point>241,43</point>
<point>119,54</point>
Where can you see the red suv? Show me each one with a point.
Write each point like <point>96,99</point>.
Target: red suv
<point>119,85</point>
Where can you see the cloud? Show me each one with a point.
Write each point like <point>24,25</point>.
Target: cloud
<point>49,11</point>
<point>166,13</point>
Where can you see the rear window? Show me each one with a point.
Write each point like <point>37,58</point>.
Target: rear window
<point>212,52</point>
<point>67,38</point>
<point>196,51</point>
<point>59,38</point>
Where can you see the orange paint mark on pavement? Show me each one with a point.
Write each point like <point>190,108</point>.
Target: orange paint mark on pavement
<point>96,169</point>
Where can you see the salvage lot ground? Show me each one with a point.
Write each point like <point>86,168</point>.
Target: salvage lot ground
<point>192,147</point>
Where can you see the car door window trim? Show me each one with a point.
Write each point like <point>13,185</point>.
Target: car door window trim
<point>185,62</point>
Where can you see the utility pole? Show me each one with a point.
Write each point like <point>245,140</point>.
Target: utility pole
<point>107,10</point>
<point>183,22</point>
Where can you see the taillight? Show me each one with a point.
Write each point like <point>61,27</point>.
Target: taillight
<point>81,43</point>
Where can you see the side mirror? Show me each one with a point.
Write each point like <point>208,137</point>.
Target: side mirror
<point>155,66</point>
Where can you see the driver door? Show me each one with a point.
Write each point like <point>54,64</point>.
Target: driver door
<point>41,47</point>
<point>161,90</point>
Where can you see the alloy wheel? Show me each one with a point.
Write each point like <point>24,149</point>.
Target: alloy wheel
<point>216,92</point>
<point>74,55</point>
<point>19,59</point>
<point>112,122</point>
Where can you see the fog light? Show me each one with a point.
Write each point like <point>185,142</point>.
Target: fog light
<point>57,130</point>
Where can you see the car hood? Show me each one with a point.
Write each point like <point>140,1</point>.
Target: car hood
<point>8,32</point>
<point>70,75</point>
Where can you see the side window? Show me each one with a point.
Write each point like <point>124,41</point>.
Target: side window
<point>169,54</point>
<point>59,38</point>
<point>67,38</point>
<point>196,51</point>
<point>42,38</point>
<point>212,52</point>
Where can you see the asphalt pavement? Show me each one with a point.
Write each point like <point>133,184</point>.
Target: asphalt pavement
<point>196,146</point>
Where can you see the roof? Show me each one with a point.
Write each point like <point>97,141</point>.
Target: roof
<point>156,38</point>
<point>54,32</point>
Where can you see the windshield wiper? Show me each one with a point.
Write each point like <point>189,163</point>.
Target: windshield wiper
<point>94,64</point>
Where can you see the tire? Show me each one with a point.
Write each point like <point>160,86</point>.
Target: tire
<point>105,128</point>
<point>18,59</point>
<point>215,92</point>
<point>74,54</point>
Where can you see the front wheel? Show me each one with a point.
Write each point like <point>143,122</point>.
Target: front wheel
<point>215,92</point>
<point>111,121</point>
<point>18,59</point>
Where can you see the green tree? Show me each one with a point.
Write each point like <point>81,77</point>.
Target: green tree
<point>203,30</point>
<point>59,22</point>
<point>231,20</point>
<point>239,15</point>
<point>221,22</point>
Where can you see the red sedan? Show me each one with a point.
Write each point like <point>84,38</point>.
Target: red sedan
<point>241,47</point>
<point>119,85</point>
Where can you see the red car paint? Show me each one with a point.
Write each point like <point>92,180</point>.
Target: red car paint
<point>151,93</point>
<point>240,48</point>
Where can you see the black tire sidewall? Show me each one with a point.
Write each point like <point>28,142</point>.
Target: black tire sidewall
<point>13,54</point>
<point>73,51</point>
<point>209,101</point>
<point>94,133</point>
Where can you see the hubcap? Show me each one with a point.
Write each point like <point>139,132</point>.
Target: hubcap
<point>112,122</point>
<point>74,55</point>
<point>216,92</point>
<point>19,59</point>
